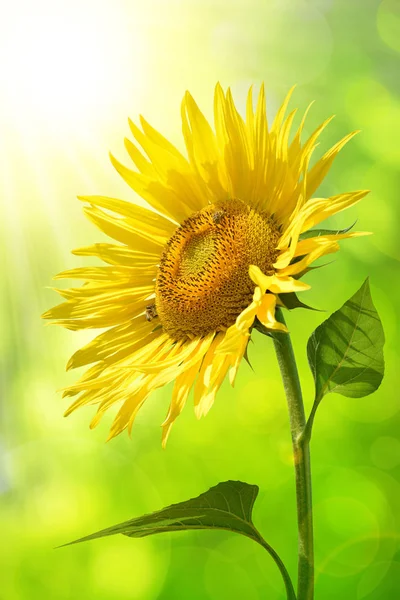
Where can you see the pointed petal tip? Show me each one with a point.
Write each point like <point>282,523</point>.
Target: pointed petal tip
<point>56,277</point>
<point>113,160</point>
<point>166,429</point>
<point>219,90</point>
<point>88,209</point>
<point>198,411</point>
<point>111,434</point>
<point>144,123</point>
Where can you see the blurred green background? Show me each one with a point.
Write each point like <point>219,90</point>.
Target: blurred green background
<point>70,74</point>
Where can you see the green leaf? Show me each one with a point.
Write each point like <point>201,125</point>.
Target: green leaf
<point>227,506</point>
<point>291,301</point>
<point>317,232</point>
<point>345,353</point>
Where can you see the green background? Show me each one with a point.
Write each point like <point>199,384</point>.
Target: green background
<point>58,480</point>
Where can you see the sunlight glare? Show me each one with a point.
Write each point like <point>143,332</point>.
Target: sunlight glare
<point>64,62</point>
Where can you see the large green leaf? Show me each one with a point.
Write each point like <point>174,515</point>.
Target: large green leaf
<point>226,506</point>
<point>346,352</point>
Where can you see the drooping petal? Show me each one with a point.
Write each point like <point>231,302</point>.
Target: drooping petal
<point>266,314</point>
<point>217,373</point>
<point>180,393</point>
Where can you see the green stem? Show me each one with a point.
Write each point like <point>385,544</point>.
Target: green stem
<point>301,452</point>
<point>290,593</point>
<point>310,422</point>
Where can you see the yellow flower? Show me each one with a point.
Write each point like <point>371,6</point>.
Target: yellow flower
<point>186,282</point>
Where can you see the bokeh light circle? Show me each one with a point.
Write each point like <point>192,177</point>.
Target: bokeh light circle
<point>258,39</point>
<point>380,581</point>
<point>351,536</point>
<point>388,23</point>
<point>385,452</point>
<point>225,577</point>
<point>375,111</point>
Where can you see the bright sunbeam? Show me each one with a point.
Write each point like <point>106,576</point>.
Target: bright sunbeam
<point>61,62</point>
<point>71,71</point>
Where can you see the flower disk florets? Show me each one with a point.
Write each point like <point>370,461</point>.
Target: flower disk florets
<point>203,281</point>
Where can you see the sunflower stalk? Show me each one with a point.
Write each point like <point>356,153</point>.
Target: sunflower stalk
<point>301,454</point>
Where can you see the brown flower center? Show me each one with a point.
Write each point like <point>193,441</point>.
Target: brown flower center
<point>203,282</point>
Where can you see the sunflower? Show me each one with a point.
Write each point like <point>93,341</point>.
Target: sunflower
<point>186,280</point>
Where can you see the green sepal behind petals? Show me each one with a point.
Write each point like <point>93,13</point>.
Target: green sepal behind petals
<point>317,232</point>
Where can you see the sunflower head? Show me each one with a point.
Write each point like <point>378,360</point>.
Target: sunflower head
<point>221,244</point>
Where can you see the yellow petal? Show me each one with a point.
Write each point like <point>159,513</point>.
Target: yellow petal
<point>332,206</point>
<point>123,231</point>
<point>180,393</point>
<point>159,140</point>
<point>276,283</point>
<point>208,359</point>
<point>317,252</point>
<point>139,218</point>
<point>141,163</point>
<point>219,369</point>
<point>116,254</point>
<point>295,146</point>
<point>321,168</point>
<point>155,192</point>
<point>307,245</point>
<point>266,313</point>
<point>277,123</point>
